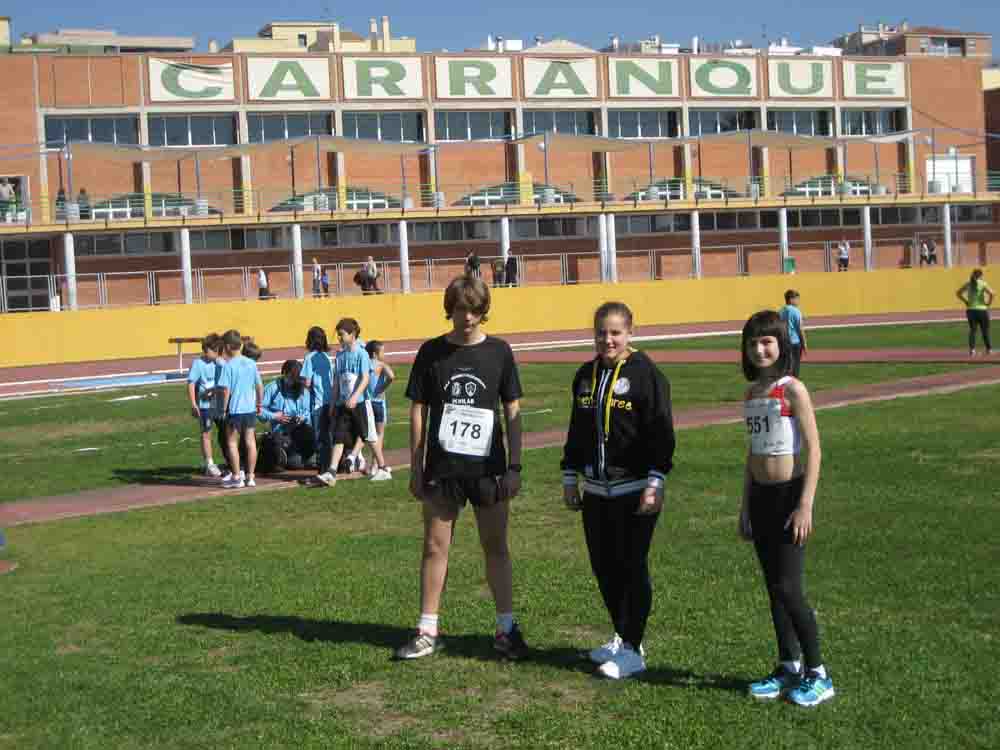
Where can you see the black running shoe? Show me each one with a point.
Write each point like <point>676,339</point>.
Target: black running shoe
<point>511,645</point>
<point>419,646</point>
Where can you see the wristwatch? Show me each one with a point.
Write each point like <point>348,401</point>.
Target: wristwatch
<point>515,468</point>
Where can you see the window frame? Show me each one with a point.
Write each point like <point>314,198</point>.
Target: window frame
<point>664,116</point>
<point>444,135</point>
<point>380,117</point>
<point>89,119</point>
<point>166,116</point>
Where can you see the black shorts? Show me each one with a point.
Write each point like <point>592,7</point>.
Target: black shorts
<point>351,424</point>
<point>455,492</point>
<point>242,422</point>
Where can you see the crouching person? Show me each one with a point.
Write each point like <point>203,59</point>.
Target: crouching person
<point>291,441</point>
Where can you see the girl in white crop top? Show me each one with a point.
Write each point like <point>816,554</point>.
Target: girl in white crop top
<point>782,471</point>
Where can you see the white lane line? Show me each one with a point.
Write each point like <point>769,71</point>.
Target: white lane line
<point>526,346</point>
<point>87,450</point>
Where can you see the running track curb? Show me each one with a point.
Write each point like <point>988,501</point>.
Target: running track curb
<point>99,502</point>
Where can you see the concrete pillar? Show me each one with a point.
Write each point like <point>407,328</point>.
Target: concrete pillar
<point>696,244</point>
<point>612,254</point>
<point>602,244</point>
<point>783,237</point>
<point>948,257</point>
<point>688,172</point>
<point>297,286</point>
<point>525,180</point>
<point>404,257</point>
<point>69,267</point>
<point>866,223</point>
<point>504,238</point>
<point>186,280</point>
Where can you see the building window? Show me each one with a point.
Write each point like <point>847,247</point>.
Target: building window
<point>872,121</point>
<point>801,121</point>
<point>385,126</point>
<point>643,123</point>
<point>192,130</point>
<point>263,126</point>
<point>710,121</point>
<point>574,122</point>
<point>946,47</point>
<point>303,40</point>
<point>61,130</point>
<point>472,126</point>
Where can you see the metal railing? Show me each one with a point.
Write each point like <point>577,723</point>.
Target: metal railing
<point>281,202</point>
<point>235,283</point>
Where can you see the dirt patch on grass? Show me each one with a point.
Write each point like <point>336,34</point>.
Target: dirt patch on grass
<point>364,707</point>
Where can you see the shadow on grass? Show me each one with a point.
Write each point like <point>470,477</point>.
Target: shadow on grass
<point>379,635</point>
<point>180,476</point>
<point>477,646</point>
<point>685,678</point>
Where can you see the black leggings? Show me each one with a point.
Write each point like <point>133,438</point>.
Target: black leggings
<point>782,562</point>
<point>618,542</point>
<point>979,318</point>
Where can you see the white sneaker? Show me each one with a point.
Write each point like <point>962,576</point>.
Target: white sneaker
<point>250,481</point>
<point>606,651</point>
<point>211,470</point>
<point>228,477</point>
<point>327,478</point>
<point>626,663</point>
<point>381,475</point>
<point>234,484</point>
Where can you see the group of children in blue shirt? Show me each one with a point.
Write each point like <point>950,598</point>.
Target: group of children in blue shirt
<point>341,396</point>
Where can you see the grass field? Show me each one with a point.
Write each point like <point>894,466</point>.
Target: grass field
<point>950,335</point>
<point>266,620</point>
<point>66,444</point>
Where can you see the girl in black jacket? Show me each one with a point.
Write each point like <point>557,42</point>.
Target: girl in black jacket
<point>621,439</point>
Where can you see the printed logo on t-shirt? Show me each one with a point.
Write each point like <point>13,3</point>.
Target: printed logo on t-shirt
<point>622,386</point>
<point>462,384</point>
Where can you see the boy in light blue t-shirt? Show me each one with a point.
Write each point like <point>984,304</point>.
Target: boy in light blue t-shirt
<point>351,410</point>
<point>243,395</point>
<point>201,390</point>
<point>317,376</point>
<point>792,316</point>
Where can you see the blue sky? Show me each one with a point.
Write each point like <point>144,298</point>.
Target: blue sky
<point>460,24</point>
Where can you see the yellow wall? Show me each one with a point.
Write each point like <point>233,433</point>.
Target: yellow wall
<point>40,338</point>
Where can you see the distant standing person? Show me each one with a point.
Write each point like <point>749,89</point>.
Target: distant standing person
<point>472,264</point>
<point>317,277</point>
<point>931,253</point>
<point>925,253</point>
<point>371,274</point>
<point>510,271</point>
<point>977,298</point>
<point>843,255</point>
<point>792,316</point>
<point>263,289</point>
<point>497,267</point>
<point>324,281</point>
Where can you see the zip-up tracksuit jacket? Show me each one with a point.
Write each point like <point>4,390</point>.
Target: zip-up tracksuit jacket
<point>621,430</point>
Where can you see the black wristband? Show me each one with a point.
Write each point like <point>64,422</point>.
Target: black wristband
<point>515,468</point>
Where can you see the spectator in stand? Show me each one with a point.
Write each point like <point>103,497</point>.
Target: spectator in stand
<point>472,264</point>
<point>510,272</point>
<point>263,286</point>
<point>317,277</point>
<point>371,277</point>
<point>498,272</point>
<point>324,281</point>
<point>931,253</point>
<point>843,255</point>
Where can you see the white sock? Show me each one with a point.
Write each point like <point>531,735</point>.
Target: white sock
<point>505,622</point>
<point>428,624</point>
<point>795,667</point>
<point>820,670</point>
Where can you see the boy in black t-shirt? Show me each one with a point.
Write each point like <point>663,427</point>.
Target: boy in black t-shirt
<point>457,384</point>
